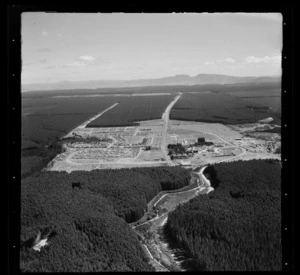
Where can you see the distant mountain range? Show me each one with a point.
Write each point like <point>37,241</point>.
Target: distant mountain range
<point>183,79</point>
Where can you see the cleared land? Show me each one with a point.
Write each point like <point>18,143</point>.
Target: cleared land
<point>229,142</point>
<point>143,142</point>
<point>119,147</point>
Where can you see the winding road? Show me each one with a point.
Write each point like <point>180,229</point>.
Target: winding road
<point>158,255</point>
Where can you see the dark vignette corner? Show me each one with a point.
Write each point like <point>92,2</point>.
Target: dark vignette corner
<point>288,101</point>
<point>13,105</point>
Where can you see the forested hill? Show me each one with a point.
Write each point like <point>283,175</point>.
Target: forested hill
<point>236,227</point>
<point>84,217</point>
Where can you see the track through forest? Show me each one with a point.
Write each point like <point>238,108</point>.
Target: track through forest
<point>161,256</point>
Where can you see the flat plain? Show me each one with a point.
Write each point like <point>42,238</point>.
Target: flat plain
<point>129,120</point>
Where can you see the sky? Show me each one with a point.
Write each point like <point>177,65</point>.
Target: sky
<point>120,46</point>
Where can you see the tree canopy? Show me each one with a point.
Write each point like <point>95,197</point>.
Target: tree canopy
<point>236,227</point>
<point>86,214</point>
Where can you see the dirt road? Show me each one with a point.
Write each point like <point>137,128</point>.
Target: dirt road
<point>160,255</point>
<point>151,231</point>
<point>83,125</point>
<point>165,118</point>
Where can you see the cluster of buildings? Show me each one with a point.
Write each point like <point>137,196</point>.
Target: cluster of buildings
<point>184,150</point>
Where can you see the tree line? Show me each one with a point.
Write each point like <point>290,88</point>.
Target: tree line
<point>236,227</point>
<point>85,215</point>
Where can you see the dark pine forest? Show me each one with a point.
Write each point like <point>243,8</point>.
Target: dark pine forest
<point>236,227</point>
<point>84,216</point>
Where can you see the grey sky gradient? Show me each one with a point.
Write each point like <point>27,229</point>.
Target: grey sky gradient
<point>71,47</point>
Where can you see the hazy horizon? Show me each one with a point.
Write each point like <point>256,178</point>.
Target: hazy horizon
<point>65,47</point>
<point>91,80</point>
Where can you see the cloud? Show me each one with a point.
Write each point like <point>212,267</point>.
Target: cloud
<point>44,33</point>
<point>86,58</point>
<point>266,59</point>
<point>209,63</point>
<point>59,35</point>
<point>44,50</point>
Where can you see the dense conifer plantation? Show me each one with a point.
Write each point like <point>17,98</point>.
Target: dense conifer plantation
<point>84,217</point>
<point>238,225</point>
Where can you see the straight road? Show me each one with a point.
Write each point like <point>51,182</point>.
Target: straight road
<point>83,125</point>
<point>165,118</point>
